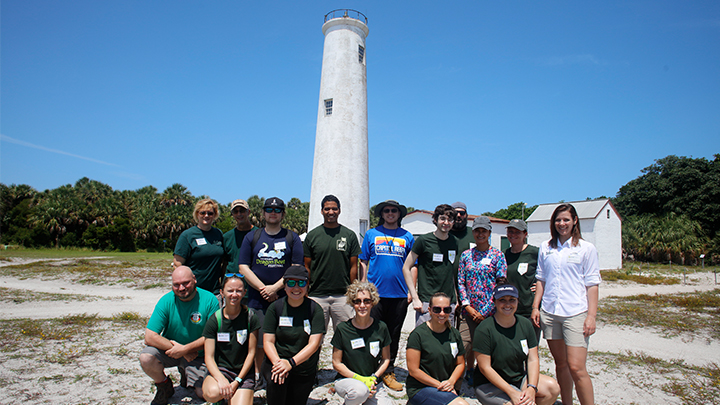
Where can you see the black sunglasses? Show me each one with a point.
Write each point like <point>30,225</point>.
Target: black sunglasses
<point>437,310</point>
<point>389,210</point>
<point>276,210</point>
<point>358,301</point>
<point>238,210</point>
<point>203,213</point>
<point>299,283</point>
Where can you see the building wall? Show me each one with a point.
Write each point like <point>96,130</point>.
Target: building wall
<point>419,223</point>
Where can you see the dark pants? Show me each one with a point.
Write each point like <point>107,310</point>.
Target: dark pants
<point>295,390</point>
<point>392,311</point>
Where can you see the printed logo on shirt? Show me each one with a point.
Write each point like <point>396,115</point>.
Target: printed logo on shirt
<point>389,246</point>
<point>271,258</point>
<point>341,244</point>
<point>195,317</point>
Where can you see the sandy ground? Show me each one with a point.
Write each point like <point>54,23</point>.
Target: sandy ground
<point>102,367</point>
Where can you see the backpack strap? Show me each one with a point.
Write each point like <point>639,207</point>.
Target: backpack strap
<point>255,239</point>
<point>218,315</point>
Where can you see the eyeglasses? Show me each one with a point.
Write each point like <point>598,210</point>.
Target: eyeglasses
<point>389,210</point>
<point>275,210</point>
<point>239,210</point>
<point>228,275</point>
<point>203,213</point>
<point>437,310</point>
<point>461,213</point>
<point>358,301</point>
<point>443,218</point>
<point>293,283</point>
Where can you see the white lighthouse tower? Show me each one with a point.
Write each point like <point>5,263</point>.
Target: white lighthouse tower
<point>340,166</point>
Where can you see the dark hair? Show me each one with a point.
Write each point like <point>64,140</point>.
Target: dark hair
<point>443,209</point>
<point>439,294</point>
<point>575,234</point>
<point>244,284</point>
<point>327,198</point>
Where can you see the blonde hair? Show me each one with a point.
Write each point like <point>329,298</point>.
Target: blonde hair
<point>206,202</point>
<point>357,286</point>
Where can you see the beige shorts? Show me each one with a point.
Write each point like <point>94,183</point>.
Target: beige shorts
<point>567,328</point>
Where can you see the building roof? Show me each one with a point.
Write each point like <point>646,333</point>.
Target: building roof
<point>585,210</point>
<point>470,216</point>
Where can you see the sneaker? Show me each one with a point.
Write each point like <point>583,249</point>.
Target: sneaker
<point>183,377</point>
<point>164,392</point>
<point>390,382</point>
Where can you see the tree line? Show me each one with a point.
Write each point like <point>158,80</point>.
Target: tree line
<point>670,213</point>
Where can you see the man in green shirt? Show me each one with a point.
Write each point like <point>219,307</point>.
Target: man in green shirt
<point>174,335</point>
<point>436,254</point>
<point>232,239</point>
<point>331,257</point>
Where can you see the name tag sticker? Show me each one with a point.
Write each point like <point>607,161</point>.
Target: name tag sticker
<point>485,261</point>
<point>454,348</point>
<point>286,321</point>
<point>451,256</point>
<point>306,326</point>
<point>280,245</point>
<point>574,258</point>
<point>472,245</point>
<point>201,241</point>
<point>522,268</point>
<point>374,348</point>
<point>223,337</point>
<point>358,343</point>
<point>524,345</point>
<point>437,257</point>
<point>241,336</point>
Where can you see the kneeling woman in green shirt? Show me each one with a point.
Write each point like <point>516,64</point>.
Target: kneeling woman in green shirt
<point>292,334</point>
<point>361,348</point>
<point>230,341</point>
<point>507,356</point>
<point>435,358</point>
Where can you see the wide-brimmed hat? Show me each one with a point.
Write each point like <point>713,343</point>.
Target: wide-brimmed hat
<point>296,272</point>
<point>390,203</point>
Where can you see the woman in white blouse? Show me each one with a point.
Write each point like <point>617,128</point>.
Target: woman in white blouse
<point>568,277</point>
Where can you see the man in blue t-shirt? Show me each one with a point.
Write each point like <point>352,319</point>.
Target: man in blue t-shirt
<point>174,335</point>
<point>264,262</point>
<point>383,253</point>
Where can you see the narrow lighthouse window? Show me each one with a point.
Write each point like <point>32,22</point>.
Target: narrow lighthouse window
<point>361,53</point>
<point>328,106</point>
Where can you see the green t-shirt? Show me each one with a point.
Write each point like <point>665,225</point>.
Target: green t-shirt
<point>507,348</point>
<point>361,348</point>
<point>203,253</point>
<point>465,239</point>
<point>289,340</point>
<point>438,354</point>
<point>436,260</point>
<point>232,240</point>
<point>330,250</point>
<point>182,321</point>
<point>521,273</point>
<point>231,339</point>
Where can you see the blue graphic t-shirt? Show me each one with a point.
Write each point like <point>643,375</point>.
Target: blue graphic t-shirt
<point>269,260</point>
<point>386,250</point>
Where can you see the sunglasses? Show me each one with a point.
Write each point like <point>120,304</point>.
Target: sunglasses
<point>293,283</point>
<point>239,210</point>
<point>275,210</point>
<point>358,301</point>
<point>390,210</point>
<point>203,213</point>
<point>437,310</point>
<point>228,275</point>
<point>461,213</point>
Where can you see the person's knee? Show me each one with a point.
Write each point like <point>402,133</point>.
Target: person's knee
<point>458,401</point>
<point>549,386</point>
<point>149,362</point>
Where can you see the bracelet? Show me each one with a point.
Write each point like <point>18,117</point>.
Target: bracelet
<point>239,380</point>
<point>292,362</point>
<point>533,387</point>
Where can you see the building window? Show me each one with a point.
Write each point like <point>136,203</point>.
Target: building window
<point>361,53</point>
<point>608,214</point>
<point>328,106</point>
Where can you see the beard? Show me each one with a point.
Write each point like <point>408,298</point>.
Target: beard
<point>460,225</point>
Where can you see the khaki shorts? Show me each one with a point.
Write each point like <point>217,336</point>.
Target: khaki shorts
<point>567,328</point>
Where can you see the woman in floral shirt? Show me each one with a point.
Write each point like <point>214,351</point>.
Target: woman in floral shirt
<point>479,269</point>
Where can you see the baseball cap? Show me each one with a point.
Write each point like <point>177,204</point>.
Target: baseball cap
<point>482,222</point>
<point>274,202</point>
<point>239,203</point>
<point>505,290</point>
<point>518,224</point>
<point>296,272</point>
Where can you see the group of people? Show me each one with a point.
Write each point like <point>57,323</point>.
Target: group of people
<point>260,320</point>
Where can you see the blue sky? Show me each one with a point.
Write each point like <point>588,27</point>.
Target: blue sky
<point>486,102</point>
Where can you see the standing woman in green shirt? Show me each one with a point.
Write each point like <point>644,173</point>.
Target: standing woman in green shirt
<point>230,344</point>
<point>201,247</point>
<point>522,260</point>
<point>435,358</point>
<point>361,349</point>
